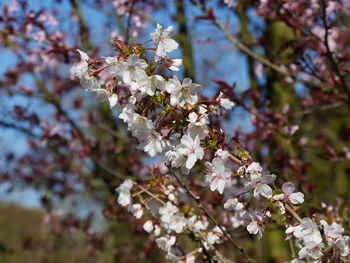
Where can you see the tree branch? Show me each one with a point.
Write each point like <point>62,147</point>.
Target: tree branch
<point>18,128</point>
<point>329,52</point>
<point>248,52</point>
<point>212,219</point>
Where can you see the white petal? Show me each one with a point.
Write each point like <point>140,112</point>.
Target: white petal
<point>288,188</point>
<point>83,55</point>
<point>253,227</point>
<point>296,198</point>
<point>191,160</point>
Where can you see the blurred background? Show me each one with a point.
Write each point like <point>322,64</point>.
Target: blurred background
<point>62,152</point>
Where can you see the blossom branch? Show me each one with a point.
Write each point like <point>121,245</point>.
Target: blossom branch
<point>211,218</point>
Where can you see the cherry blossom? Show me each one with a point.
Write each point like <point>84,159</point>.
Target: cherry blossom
<point>187,152</point>
<point>148,226</point>
<point>124,198</point>
<point>81,70</point>
<point>166,242</point>
<point>260,185</point>
<point>131,70</point>
<point>198,125</point>
<point>217,175</point>
<point>215,235</point>
<point>137,210</point>
<point>151,83</point>
<point>289,195</point>
<point>225,102</point>
<point>256,226</point>
<point>311,249</point>
<point>306,230</point>
<point>182,93</point>
<point>169,120</point>
<point>164,44</point>
<point>332,232</point>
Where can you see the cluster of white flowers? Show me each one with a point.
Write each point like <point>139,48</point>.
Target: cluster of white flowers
<point>260,186</point>
<point>307,232</point>
<point>134,73</point>
<point>168,119</point>
<point>310,240</point>
<point>124,198</point>
<point>168,222</point>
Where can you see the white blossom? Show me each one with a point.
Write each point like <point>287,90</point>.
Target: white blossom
<point>343,245</point>
<point>105,95</point>
<point>260,185</point>
<point>223,154</point>
<point>113,100</point>
<point>226,103</point>
<point>215,235</point>
<point>177,62</point>
<point>256,226</point>
<point>177,222</point>
<point>311,249</point>
<point>332,232</point>
<point>254,168</point>
<point>198,126</point>
<point>167,211</point>
<point>140,127</point>
<point>199,223</point>
<point>177,158</point>
<point>238,207</point>
<point>148,226</point>
<point>217,175</point>
<point>306,230</point>
<point>125,186</point>
<point>233,204</point>
<point>186,153</point>
<point>165,243</point>
<point>163,43</point>
<point>131,70</point>
<point>137,210</point>
<point>182,93</point>
<point>153,142</point>
<point>81,70</point>
<point>157,230</point>
<point>128,113</point>
<point>150,84</point>
<point>289,195</point>
<point>124,198</point>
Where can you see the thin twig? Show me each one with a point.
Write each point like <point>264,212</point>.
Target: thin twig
<point>329,52</point>
<point>212,219</point>
<point>193,230</point>
<point>250,53</point>
<point>235,159</point>
<point>18,128</point>
<point>293,213</point>
<point>292,248</point>
<point>326,107</point>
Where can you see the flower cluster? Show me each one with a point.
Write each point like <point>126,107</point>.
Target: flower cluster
<point>148,101</point>
<point>164,219</point>
<point>311,242</point>
<point>169,119</point>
